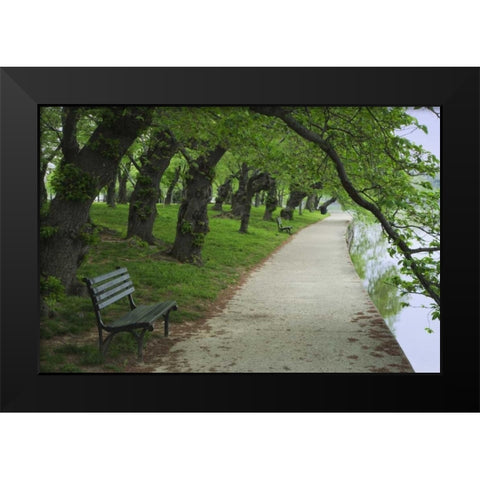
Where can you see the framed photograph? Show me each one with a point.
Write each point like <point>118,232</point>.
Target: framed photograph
<point>25,91</point>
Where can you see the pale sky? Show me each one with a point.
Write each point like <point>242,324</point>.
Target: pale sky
<point>430,142</point>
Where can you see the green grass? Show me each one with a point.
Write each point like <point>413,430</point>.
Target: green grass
<point>227,254</point>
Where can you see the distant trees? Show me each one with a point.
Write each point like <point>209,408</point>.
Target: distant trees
<point>171,186</point>
<point>123,178</point>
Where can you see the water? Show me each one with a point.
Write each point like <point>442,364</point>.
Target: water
<point>375,266</point>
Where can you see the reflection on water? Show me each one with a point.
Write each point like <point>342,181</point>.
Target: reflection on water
<point>375,267</point>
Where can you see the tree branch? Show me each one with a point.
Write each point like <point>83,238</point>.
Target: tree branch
<point>421,250</point>
<point>125,169</point>
<point>135,164</point>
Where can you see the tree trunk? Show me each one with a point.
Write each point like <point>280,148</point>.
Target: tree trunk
<point>256,183</point>
<point>324,205</point>
<point>294,200</point>
<point>122,184</point>
<point>310,206</point>
<point>122,189</point>
<point>43,189</point>
<point>228,199</point>
<point>192,224</point>
<point>222,194</point>
<point>143,203</point>
<point>173,183</point>
<point>80,176</point>
<point>238,199</point>
<point>111,192</point>
<point>271,201</point>
<point>178,195</point>
<point>280,198</point>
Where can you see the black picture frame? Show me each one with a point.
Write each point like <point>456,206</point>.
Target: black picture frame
<point>456,388</point>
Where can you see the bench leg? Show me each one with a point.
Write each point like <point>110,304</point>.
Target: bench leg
<point>140,341</point>
<point>165,327</point>
<point>104,344</point>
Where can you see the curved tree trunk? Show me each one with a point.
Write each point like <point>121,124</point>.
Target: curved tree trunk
<point>271,201</point>
<point>81,175</point>
<point>323,207</point>
<point>310,206</point>
<point>239,197</point>
<point>143,203</point>
<point>192,223</point>
<point>294,200</point>
<point>256,183</point>
<point>222,194</point>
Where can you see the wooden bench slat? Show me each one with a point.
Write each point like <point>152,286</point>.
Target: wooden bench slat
<point>104,286</point>
<point>142,314</point>
<point>112,291</point>
<point>113,299</point>
<point>100,278</point>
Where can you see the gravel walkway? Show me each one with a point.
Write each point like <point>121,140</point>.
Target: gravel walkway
<point>303,310</point>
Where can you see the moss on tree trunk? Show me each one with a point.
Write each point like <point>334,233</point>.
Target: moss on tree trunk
<point>143,202</point>
<point>192,223</point>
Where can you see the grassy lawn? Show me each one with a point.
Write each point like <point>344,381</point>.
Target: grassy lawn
<point>69,340</point>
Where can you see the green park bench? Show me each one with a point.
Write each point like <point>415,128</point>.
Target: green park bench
<point>107,289</point>
<point>282,228</point>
